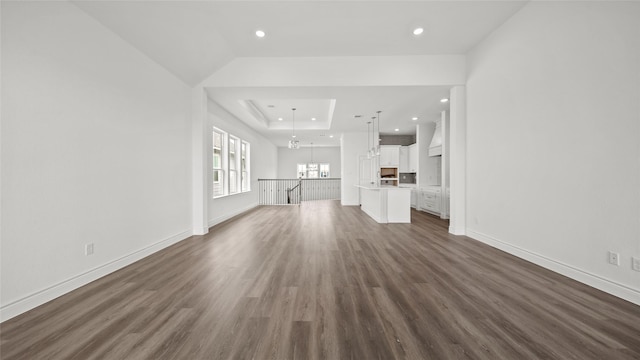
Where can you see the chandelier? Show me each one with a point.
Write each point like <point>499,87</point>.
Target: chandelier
<point>293,143</point>
<point>373,149</point>
<point>369,140</point>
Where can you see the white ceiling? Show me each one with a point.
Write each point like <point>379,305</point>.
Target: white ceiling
<point>399,104</point>
<point>193,39</point>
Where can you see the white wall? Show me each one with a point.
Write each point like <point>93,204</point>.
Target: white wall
<point>95,149</point>
<point>263,163</point>
<point>288,160</point>
<point>428,173</point>
<point>433,70</point>
<point>554,140</point>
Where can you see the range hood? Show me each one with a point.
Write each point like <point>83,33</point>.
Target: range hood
<point>435,148</point>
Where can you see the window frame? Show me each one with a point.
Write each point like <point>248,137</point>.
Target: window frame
<point>234,164</point>
<point>304,171</point>
<point>221,184</point>
<point>232,170</point>
<point>245,166</point>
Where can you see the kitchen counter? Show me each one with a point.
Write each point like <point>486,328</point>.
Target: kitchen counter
<point>386,204</point>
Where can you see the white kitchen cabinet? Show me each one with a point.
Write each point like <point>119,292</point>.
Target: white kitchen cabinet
<point>413,158</point>
<point>404,159</point>
<point>429,201</point>
<point>414,198</point>
<point>389,155</point>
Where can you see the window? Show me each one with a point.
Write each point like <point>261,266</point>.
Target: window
<point>230,164</point>
<point>324,170</point>
<point>302,171</point>
<point>233,165</point>
<point>244,166</point>
<point>313,171</point>
<point>218,172</point>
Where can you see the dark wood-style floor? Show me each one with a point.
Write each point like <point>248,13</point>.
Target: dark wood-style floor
<point>321,281</point>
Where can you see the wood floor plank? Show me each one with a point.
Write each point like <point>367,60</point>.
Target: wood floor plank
<point>322,281</point>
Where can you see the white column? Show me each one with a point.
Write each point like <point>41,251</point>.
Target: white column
<point>199,187</point>
<point>458,160</point>
<point>444,168</point>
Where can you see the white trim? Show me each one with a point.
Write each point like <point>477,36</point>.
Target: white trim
<point>38,298</point>
<point>347,203</point>
<point>457,231</point>
<point>225,217</point>
<point>378,219</point>
<point>458,160</point>
<point>593,280</point>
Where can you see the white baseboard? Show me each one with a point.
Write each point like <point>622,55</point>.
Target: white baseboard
<point>377,218</point>
<point>217,220</point>
<point>38,298</point>
<point>457,231</point>
<point>593,280</point>
<point>200,230</point>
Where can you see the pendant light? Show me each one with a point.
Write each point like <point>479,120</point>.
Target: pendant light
<point>378,142</point>
<point>372,149</point>
<point>368,140</point>
<point>293,143</point>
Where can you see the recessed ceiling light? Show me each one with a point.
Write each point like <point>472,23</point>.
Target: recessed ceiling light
<point>331,136</point>
<point>418,31</point>
<point>414,118</point>
<point>313,119</point>
<point>444,100</point>
<point>396,129</point>
<point>260,33</point>
<point>279,119</point>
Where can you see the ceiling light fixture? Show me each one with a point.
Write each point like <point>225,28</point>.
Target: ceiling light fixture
<point>293,143</point>
<point>414,118</point>
<point>280,119</point>
<point>417,31</point>
<point>313,119</point>
<point>260,33</point>
<point>396,129</point>
<point>444,100</point>
<point>331,136</point>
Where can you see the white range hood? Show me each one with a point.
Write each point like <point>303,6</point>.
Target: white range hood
<point>435,148</point>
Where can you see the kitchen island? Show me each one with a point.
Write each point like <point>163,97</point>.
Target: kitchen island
<point>386,204</point>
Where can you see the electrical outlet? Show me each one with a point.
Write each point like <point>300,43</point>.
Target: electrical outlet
<point>88,249</point>
<point>635,263</point>
<point>614,258</point>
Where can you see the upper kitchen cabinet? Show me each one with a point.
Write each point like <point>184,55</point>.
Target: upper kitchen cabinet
<point>413,158</point>
<point>409,159</point>
<point>389,155</point>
